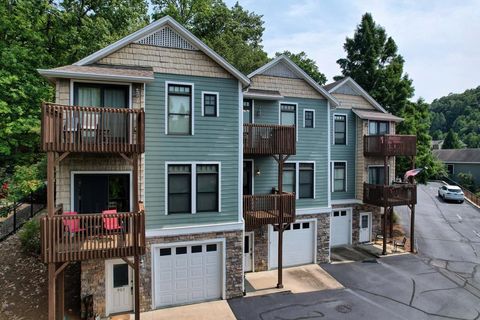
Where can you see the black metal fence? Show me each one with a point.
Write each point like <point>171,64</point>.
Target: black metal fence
<point>21,211</point>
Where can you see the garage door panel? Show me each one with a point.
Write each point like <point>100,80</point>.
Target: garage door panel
<point>340,228</point>
<point>189,274</point>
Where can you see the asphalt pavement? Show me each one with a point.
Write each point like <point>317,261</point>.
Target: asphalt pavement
<point>442,281</point>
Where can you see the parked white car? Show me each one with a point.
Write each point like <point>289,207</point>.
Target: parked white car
<point>453,193</point>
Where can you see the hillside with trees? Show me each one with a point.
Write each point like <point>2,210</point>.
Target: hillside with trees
<point>459,113</point>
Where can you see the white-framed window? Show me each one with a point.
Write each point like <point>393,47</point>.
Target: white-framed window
<point>339,129</point>
<point>288,115</point>
<point>339,176</point>
<point>299,177</point>
<point>179,110</point>
<point>193,187</point>
<point>308,118</point>
<point>210,104</point>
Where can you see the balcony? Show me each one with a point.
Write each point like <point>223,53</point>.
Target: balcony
<point>92,129</point>
<point>67,238</point>
<point>266,139</point>
<point>259,210</point>
<point>395,195</point>
<point>390,145</point>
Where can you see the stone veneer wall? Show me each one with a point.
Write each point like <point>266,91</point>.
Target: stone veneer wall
<point>261,242</point>
<point>356,210</point>
<point>93,271</point>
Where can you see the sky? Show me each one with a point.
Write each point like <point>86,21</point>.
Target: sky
<point>439,39</point>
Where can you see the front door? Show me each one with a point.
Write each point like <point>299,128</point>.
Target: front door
<point>365,227</point>
<point>248,252</point>
<point>247,177</point>
<point>120,285</point>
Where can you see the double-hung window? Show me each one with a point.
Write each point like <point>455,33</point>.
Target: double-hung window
<point>183,190</point>
<point>378,127</point>
<point>207,187</point>
<point>179,109</point>
<point>339,177</point>
<point>340,129</point>
<point>306,180</point>
<point>179,189</point>
<point>309,119</point>
<point>288,114</point>
<point>210,104</point>
<point>289,180</point>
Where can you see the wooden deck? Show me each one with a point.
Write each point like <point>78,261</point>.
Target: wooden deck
<point>67,238</point>
<point>395,195</point>
<point>92,129</point>
<point>266,139</point>
<point>390,145</point>
<point>259,210</point>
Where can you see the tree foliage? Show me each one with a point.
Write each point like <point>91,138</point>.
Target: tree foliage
<point>452,141</point>
<point>459,112</point>
<point>374,63</point>
<point>308,65</point>
<point>234,33</point>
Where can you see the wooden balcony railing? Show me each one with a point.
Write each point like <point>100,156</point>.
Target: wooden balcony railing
<point>266,209</point>
<point>266,139</point>
<point>92,236</point>
<point>390,145</point>
<point>92,129</point>
<point>395,195</point>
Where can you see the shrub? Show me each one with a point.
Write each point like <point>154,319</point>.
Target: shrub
<point>30,237</point>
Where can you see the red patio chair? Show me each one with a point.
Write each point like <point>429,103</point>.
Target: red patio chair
<point>72,225</point>
<point>112,223</point>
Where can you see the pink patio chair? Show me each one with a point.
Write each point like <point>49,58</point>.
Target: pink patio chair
<point>112,223</point>
<point>72,225</point>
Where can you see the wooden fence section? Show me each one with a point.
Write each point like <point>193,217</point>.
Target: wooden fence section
<point>266,209</point>
<point>390,145</point>
<point>396,194</point>
<point>266,139</point>
<point>468,194</point>
<point>92,129</point>
<point>92,236</point>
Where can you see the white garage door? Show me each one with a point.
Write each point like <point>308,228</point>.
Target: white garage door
<point>186,274</point>
<point>340,228</point>
<point>298,244</point>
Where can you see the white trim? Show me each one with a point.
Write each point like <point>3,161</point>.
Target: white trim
<point>72,185</point>
<point>315,237</point>
<point>252,239</point>
<point>296,114</point>
<point>185,230</point>
<point>72,90</point>
<point>253,113</point>
<point>151,28</point>
<point>52,73</point>
<point>218,102</point>
<point>108,283</point>
<point>304,111</point>
<point>156,246</point>
<point>329,147</point>
<point>359,90</point>
<point>299,72</point>
<point>318,210</point>
<point>192,112</point>
<point>240,155</point>
<point>346,128</point>
<point>297,177</point>
<point>350,223</point>
<point>193,183</point>
<point>333,175</point>
<point>345,201</point>
<point>253,175</point>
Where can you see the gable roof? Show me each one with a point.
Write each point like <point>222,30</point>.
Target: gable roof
<point>299,73</point>
<point>458,155</point>
<point>375,115</point>
<point>331,87</point>
<point>100,72</point>
<point>155,26</point>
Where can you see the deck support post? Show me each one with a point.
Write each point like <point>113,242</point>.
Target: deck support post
<point>391,222</point>
<point>412,216</point>
<point>136,283</point>
<point>61,293</point>
<point>385,207</point>
<point>136,262</point>
<point>51,291</point>
<point>50,210</point>
<point>281,162</point>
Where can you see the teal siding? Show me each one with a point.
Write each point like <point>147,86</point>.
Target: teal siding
<point>214,139</point>
<point>345,153</point>
<point>311,146</point>
<point>469,168</point>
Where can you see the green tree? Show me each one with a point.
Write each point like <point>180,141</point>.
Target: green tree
<point>467,180</point>
<point>417,122</point>
<point>374,63</point>
<point>234,33</point>
<point>452,141</point>
<point>308,65</point>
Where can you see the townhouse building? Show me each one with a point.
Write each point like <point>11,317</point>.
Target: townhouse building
<point>171,173</point>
